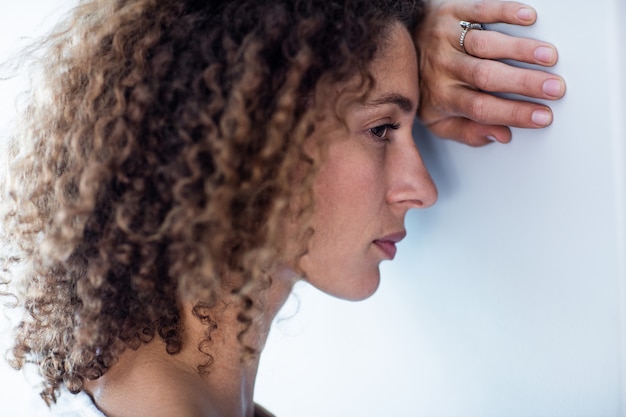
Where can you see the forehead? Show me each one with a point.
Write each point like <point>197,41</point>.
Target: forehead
<point>394,68</point>
<point>394,73</point>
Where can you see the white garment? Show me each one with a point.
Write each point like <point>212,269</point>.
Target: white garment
<point>74,405</point>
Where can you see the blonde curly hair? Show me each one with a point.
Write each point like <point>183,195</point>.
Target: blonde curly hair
<point>157,162</point>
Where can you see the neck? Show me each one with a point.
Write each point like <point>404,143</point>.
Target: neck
<point>149,381</point>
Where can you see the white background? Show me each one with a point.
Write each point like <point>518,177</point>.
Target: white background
<point>507,298</point>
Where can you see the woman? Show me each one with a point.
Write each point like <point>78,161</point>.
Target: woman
<point>188,162</point>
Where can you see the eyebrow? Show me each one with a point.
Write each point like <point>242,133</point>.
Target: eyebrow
<point>405,103</point>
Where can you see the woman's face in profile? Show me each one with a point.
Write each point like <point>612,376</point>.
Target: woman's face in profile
<point>370,176</point>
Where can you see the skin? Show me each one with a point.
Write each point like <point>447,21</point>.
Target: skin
<point>454,85</point>
<point>369,177</point>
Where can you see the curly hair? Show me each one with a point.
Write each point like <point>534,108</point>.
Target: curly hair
<point>157,161</point>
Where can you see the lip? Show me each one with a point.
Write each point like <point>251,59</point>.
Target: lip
<point>388,243</point>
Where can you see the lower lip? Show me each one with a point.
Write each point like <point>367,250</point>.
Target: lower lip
<point>389,248</point>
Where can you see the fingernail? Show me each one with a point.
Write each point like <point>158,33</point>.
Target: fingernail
<point>553,88</point>
<point>525,13</point>
<point>492,138</point>
<point>544,54</point>
<point>541,117</point>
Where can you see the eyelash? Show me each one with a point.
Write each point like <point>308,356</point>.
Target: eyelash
<point>385,128</point>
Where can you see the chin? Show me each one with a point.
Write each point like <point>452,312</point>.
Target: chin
<point>357,288</point>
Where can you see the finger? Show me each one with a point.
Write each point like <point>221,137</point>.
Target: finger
<point>496,76</point>
<point>490,44</point>
<point>470,132</point>
<point>487,109</point>
<point>493,11</point>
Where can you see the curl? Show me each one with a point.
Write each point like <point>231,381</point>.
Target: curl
<point>159,157</point>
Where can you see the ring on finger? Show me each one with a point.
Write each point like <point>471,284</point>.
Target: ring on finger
<point>467,26</point>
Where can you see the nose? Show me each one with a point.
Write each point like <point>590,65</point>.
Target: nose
<point>410,184</point>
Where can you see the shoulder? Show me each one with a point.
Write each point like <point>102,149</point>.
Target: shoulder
<point>74,405</point>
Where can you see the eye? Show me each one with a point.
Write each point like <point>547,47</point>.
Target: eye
<point>380,132</point>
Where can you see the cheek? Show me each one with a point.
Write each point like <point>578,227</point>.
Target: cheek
<point>338,187</point>
<point>348,194</point>
<point>340,260</point>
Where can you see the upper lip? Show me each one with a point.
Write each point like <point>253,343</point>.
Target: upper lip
<point>393,237</point>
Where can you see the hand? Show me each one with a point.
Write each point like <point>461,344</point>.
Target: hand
<point>454,99</point>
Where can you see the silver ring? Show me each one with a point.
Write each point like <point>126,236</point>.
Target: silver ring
<point>467,26</point>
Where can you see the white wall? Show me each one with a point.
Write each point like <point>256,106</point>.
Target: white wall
<point>508,298</point>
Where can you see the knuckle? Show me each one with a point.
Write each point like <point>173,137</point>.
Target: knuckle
<point>476,143</point>
<point>479,8</point>
<point>481,75</point>
<point>478,107</point>
<point>528,84</point>
<point>523,49</point>
<point>489,10</point>
<point>438,59</point>
<point>440,103</point>
<point>446,8</point>
<point>469,138</point>
<point>517,114</point>
<point>479,45</point>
